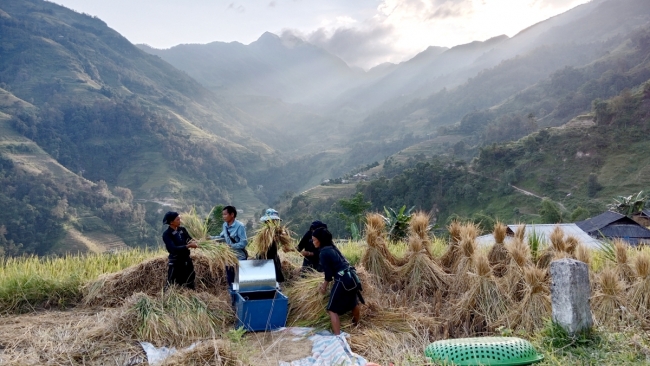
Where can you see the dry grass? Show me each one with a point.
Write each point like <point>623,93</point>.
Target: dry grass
<point>534,308</point>
<point>520,258</point>
<point>608,302</point>
<point>639,292</point>
<point>583,254</point>
<point>623,269</point>
<point>520,233</point>
<point>148,277</point>
<point>377,259</point>
<point>572,244</point>
<point>271,232</point>
<point>499,232</point>
<point>307,305</point>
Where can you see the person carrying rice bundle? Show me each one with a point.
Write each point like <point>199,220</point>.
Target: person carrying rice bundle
<point>234,234</point>
<point>307,249</point>
<point>178,242</point>
<point>270,221</point>
<point>346,290</point>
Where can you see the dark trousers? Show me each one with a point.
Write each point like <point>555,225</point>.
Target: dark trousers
<point>230,275</point>
<point>181,273</point>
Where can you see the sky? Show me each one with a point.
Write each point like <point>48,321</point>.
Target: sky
<point>363,33</point>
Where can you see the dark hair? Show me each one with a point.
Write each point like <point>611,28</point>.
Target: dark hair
<point>231,210</point>
<point>169,217</point>
<point>324,237</point>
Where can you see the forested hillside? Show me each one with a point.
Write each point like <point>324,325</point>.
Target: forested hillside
<point>565,173</point>
<point>85,113</point>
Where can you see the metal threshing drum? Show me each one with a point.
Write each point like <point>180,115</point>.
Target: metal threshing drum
<point>483,351</point>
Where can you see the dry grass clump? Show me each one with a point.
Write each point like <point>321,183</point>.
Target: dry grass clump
<point>583,254</point>
<point>271,232</point>
<point>148,277</point>
<point>403,348</point>
<point>520,258</point>
<point>213,352</point>
<point>485,297</point>
<point>377,259</point>
<point>623,268</point>
<point>421,275</point>
<point>307,305</point>
<point>176,318</point>
<point>498,255</point>
<point>449,259</point>
<point>220,254</point>
<point>535,305</point>
<point>520,233</point>
<point>572,244</point>
<point>639,292</point>
<point>419,227</point>
<point>608,301</point>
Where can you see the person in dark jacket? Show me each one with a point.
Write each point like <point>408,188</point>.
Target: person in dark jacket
<point>178,243</point>
<point>272,219</point>
<point>343,297</point>
<point>307,249</point>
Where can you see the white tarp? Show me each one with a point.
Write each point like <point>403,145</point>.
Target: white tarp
<point>327,350</point>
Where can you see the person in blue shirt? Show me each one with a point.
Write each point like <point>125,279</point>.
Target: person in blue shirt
<point>234,234</point>
<point>178,243</point>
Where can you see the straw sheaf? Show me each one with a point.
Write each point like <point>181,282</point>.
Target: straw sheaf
<point>376,263</point>
<point>639,292</point>
<point>499,258</point>
<point>376,239</point>
<point>520,258</point>
<point>454,231</point>
<point>148,277</point>
<point>419,225</point>
<point>583,254</point>
<point>307,306</point>
<point>499,232</point>
<point>470,230</point>
<point>535,303</point>
<point>572,244</point>
<point>375,224</point>
<point>268,234</point>
<point>609,298</point>
<point>557,240</point>
<point>623,268</point>
<point>520,233</point>
<point>422,276</point>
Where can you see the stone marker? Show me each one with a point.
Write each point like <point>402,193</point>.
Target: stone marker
<point>570,293</point>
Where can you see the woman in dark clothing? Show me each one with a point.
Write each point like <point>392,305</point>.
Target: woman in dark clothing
<point>178,242</point>
<point>307,249</point>
<point>344,295</point>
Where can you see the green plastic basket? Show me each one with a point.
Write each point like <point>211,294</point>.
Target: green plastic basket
<point>483,351</point>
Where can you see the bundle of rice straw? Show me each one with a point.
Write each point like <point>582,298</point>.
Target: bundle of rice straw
<point>465,262</point>
<point>148,277</point>
<point>220,254</point>
<point>419,227</point>
<point>520,258</point>
<point>176,318</point>
<point>535,304</point>
<point>271,232</point>
<point>421,275</point>
<point>499,256</point>
<point>291,271</point>
<point>571,244</point>
<point>377,259</point>
<point>557,249</point>
<point>608,302</point>
<point>520,233</point>
<point>307,306</point>
<point>639,292</point>
<point>623,269</point>
<point>214,352</point>
<point>583,254</point>
<point>485,297</point>
<point>449,258</point>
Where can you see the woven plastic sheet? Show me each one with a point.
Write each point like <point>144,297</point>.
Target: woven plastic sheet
<point>327,350</point>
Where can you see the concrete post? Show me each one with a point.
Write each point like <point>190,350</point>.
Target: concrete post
<point>570,293</point>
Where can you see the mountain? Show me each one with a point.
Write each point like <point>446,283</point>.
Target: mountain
<point>287,68</point>
<point>107,135</point>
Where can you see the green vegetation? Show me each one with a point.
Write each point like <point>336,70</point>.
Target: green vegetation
<point>31,283</point>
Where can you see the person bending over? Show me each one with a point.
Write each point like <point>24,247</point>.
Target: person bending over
<point>344,295</point>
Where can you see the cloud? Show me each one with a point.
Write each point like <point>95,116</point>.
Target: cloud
<point>272,4</point>
<point>424,10</point>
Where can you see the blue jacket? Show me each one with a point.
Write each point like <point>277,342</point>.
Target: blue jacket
<point>237,239</point>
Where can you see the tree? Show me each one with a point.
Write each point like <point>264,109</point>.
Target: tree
<point>355,207</point>
<point>629,205</point>
<point>215,220</point>
<point>397,222</point>
<point>550,212</point>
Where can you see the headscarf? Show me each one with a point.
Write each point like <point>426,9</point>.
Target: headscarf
<point>324,236</point>
<point>317,224</point>
<point>169,217</point>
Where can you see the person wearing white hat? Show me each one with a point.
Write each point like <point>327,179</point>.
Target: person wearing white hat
<point>271,218</point>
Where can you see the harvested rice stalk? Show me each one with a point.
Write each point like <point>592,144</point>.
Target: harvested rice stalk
<point>383,273</point>
<point>377,247</point>
<point>557,240</point>
<point>470,230</point>
<point>499,256</point>
<point>221,256</point>
<point>609,299</point>
<point>572,244</point>
<point>520,233</point>
<point>307,306</point>
<point>485,296</point>
<point>623,269</point>
<point>520,258</point>
<point>421,275</point>
<point>214,352</point>
<point>177,318</point>
<point>196,226</point>
<point>583,254</point>
<point>450,257</point>
<point>639,292</point>
<point>419,227</point>
<point>535,304</point>
<point>465,262</point>
<point>271,232</point>
<point>454,231</point>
